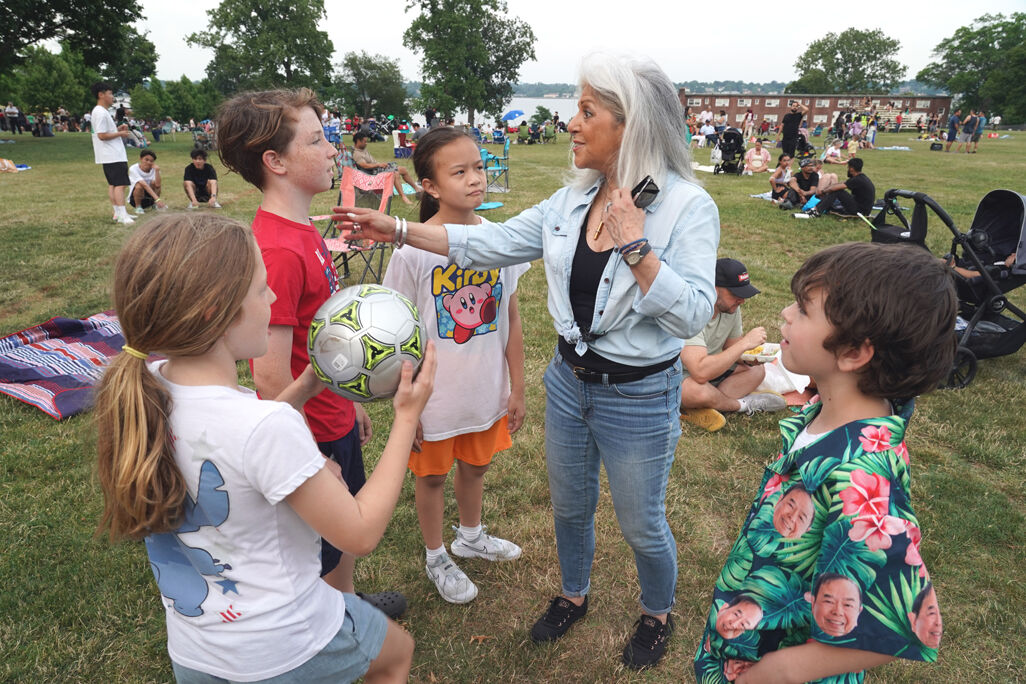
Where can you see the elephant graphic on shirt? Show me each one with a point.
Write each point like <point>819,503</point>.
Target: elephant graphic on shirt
<point>179,568</point>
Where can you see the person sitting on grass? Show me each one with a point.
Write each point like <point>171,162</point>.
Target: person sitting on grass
<point>780,177</point>
<point>145,179</point>
<point>870,348</point>
<point>368,164</point>
<point>715,378</point>
<point>803,186</point>
<point>855,195</point>
<point>200,181</point>
<point>757,159</point>
<point>835,153</point>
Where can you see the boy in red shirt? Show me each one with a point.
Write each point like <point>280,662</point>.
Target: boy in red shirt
<point>275,141</point>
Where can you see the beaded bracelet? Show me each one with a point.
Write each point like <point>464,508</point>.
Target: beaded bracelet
<point>630,245</point>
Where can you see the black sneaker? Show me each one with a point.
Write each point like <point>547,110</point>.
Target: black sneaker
<point>558,619</point>
<point>391,603</point>
<point>648,644</point>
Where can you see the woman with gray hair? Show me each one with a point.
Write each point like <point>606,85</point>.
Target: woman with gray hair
<point>629,248</point>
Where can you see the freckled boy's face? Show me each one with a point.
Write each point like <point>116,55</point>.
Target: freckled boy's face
<point>837,606</point>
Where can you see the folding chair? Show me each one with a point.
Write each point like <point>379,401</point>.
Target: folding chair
<point>400,147</point>
<point>496,169</point>
<point>523,135</point>
<point>549,133</point>
<point>358,189</point>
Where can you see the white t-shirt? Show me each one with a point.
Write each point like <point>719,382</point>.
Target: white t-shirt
<point>135,174</point>
<point>240,579</point>
<point>472,380</point>
<point>106,151</point>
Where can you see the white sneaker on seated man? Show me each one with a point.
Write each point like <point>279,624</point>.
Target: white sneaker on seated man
<point>716,380</point>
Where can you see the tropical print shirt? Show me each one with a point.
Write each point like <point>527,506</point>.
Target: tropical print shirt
<point>828,552</point>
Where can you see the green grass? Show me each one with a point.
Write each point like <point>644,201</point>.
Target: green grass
<point>74,608</point>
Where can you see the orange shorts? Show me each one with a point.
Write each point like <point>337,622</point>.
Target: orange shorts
<point>475,448</point>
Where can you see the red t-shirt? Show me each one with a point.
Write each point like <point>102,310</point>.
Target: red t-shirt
<point>302,275</point>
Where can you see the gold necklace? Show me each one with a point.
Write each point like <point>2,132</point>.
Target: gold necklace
<point>602,222</point>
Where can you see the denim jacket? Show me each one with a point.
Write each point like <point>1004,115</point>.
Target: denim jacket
<point>683,227</point>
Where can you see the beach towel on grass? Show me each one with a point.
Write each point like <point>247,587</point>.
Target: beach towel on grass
<point>53,366</point>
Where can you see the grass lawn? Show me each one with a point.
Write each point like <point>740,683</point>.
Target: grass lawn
<point>75,608</point>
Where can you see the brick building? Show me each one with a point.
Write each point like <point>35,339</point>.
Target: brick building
<point>823,109</point>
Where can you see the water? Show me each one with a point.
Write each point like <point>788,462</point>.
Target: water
<point>566,107</point>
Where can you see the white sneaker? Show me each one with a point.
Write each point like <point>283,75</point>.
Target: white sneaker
<point>139,211</point>
<point>764,401</point>
<point>216,205</point>
<point>485,546</point>
<point>126,219</point>
<point>452,583</point>
<point>191,206</point>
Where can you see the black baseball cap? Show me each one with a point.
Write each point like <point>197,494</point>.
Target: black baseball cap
<point>732,275</point>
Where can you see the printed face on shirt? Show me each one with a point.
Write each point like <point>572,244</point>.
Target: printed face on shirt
<point>246,337</point>
<point>927,624</point>
<point>734,620</point>
<point>595,134</point>
<point>792,516</point>
<point>308,159</point>
<point>458,178</point>
<point>836,606</point>
<point>734,668</point>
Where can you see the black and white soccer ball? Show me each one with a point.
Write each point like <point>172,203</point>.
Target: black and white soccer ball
<point>359,339</point>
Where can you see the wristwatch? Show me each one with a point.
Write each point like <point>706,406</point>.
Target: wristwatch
<point>634,257</point>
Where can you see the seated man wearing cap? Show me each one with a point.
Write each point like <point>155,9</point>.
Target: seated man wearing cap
<point>802,186</point>
<point>714,380</point>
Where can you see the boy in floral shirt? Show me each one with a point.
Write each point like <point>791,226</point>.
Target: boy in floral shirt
<point>825,579</point>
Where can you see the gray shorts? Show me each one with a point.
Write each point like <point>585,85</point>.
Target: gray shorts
<point>344,659</point>
<point>964,137</point>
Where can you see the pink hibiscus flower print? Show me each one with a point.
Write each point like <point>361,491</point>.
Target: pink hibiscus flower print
<point>875,438</point>
<point>775,483</point>
<point>868,494</point>
<point>912,556</point>
<point>875,530</point>
<point>902,450</point>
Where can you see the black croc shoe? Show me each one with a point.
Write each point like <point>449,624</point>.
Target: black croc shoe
<point>558,619</point>
<point>648,644</point>
<point>391,603</point>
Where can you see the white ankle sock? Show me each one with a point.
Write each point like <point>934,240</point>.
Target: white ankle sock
<point>435,554</point>
<point>470,533</point>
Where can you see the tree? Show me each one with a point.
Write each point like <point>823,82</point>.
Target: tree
<point>967,59</point>
<point>1005,88</point>
<point>541,115</point>
<point>266,44</point>
<point>145,104</point>
<point>88,27</point>
<point>853,61</point>
<point>464,65</point>
<point>181,104</point>
<point>812,81</point>
<point>134,63</point>
<point>47,81</point>
<point>371,84</point>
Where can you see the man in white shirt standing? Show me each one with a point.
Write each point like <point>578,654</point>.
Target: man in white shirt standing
<point>145,182</point>
<point>109,149</point>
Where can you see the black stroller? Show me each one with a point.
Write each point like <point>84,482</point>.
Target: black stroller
<point>728,155</point>
<point>993,254</point>
<point>803,149</point>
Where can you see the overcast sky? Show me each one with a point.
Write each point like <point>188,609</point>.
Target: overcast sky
<point>745,40</point>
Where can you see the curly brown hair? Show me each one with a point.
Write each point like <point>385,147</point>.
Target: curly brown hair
<point>251,123</point>
<point>900,299</point>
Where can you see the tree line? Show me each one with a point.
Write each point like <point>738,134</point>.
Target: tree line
<point>259,44</point>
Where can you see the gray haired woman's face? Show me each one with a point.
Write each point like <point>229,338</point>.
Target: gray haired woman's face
<point>595,134</point>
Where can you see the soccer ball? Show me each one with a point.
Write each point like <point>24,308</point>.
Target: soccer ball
<point>359,339</point>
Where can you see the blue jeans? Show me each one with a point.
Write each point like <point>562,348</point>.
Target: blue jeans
<point>632,429</point>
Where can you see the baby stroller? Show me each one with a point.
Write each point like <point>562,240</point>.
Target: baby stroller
<point>993,253</point>
<point>803,149</point>
<point>729,152</point>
